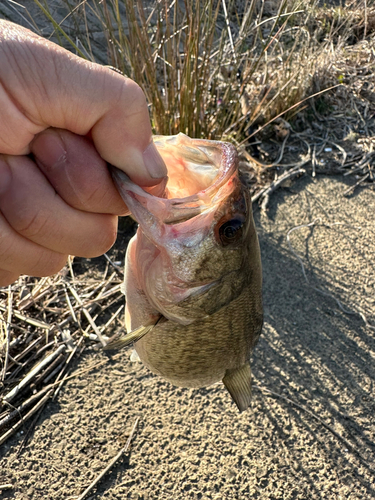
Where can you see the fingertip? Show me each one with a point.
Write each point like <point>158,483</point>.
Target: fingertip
<point>105,237</point>
<point>154,163</point>
<point>7,278</point>
<point>145,169</point>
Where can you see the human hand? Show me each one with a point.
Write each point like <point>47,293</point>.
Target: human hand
<point>61,119</point>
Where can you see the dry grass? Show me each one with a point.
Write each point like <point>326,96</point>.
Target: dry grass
<point>241,71</point>
<point>209,69</point>
<point>44,325</point>
<point>227,69</point>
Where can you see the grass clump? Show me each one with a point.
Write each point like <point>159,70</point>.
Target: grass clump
<point>279,78</point>
<point>208,69</point>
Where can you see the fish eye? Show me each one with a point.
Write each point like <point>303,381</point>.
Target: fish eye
<point>231,231</point>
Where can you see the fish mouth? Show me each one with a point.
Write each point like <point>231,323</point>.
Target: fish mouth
<point>193,165</point>
<point>199,177</point>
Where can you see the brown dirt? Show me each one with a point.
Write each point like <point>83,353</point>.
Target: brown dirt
<point>194,443</point>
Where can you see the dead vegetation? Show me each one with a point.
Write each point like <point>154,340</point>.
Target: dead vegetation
<point>291,83</point>
<point>44,325</point>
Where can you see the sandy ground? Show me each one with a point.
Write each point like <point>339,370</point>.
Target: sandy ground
<point>194,444</point>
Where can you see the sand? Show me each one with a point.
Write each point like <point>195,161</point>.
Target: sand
<point>311,437</point>
<point>194,444</point>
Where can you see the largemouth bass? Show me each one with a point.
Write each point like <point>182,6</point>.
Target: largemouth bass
<point>193,270</point>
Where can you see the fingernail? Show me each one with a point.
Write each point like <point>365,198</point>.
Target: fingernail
<point>154,162</point>
<point>5,176</point>
<point>159,189</point>
<point>49,149</point>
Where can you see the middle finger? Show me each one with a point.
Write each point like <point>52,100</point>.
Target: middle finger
<point>34,210</point>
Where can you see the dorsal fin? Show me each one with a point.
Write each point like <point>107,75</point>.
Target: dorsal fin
<point>238,384</point>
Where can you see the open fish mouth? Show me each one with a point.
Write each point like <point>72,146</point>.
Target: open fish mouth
<point>199,173</point>
<point>193,165</point>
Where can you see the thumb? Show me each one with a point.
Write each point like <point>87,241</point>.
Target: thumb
<point>47,86</point>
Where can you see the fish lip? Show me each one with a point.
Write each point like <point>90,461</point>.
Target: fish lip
<point>191,205</point>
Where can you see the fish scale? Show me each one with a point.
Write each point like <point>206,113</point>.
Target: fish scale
<point>193,276</point>
<point>192,355</point>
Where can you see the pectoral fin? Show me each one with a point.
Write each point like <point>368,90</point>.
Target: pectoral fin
<point>124,340</point>
<point>238,383</point>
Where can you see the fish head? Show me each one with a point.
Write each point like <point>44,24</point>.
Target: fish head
<point>194,241</point>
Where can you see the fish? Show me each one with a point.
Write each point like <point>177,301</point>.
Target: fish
<point>193,273</point>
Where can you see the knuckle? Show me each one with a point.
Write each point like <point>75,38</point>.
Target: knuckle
<point>135,97</point>
<point>31,225</point>
<point>136,91</point>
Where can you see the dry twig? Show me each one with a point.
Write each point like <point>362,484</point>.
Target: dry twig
<point>266,193</point>
<point>28,415</point>
<point>38,352</point>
